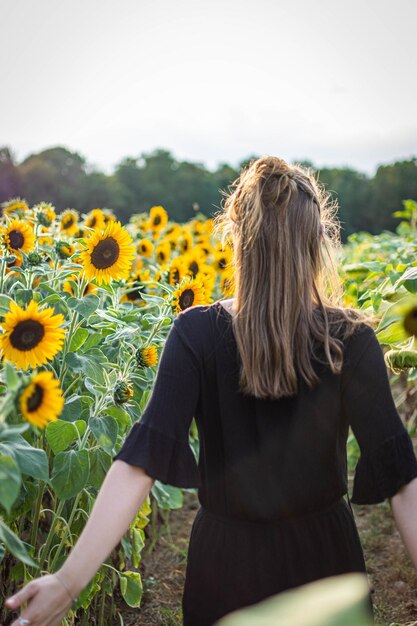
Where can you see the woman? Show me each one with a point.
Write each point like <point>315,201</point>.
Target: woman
<point>274,378</point>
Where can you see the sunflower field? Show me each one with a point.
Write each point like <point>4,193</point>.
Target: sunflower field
<point>85,308</point>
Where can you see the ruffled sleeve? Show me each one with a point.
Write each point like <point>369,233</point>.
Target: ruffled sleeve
<point>387,460</point>
<point>159,441</point>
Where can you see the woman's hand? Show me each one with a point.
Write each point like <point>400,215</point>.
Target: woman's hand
<point>48,600</point>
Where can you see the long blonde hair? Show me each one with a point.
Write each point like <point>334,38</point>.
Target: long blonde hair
<point>288,293</point>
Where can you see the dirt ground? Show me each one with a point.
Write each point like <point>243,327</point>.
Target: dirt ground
<point>391,574</point>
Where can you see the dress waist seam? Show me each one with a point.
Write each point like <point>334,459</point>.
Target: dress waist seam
<point>340,503</point>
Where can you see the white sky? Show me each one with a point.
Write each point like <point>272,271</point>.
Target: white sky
<point>211,80</point>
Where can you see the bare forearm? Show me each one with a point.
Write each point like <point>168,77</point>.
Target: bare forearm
<point>121,495</point>
<point>404,509</point>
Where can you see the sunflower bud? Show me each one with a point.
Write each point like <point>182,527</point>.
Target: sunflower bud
<point>401,359</point>
<point>45,213</point>
<point>34,258</point>
<point>64,249</point>
<point>122,392</point>
<point>147,357</point>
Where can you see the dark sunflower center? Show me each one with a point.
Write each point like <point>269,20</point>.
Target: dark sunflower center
<point>193,267</point>
<point>134,295</point>
<point>186,298</point>
<point>161,256</point>
<point>27,334</point>
<point>105,254</point>
<point>69,222</point>
<point>16,239</point>
<point>410,322</point>
<point>222,263</point>
<point>93,222</point>
<point>176,275</point>
<point>144,247</point>
<point>156,220</point>
<point>35,400</point>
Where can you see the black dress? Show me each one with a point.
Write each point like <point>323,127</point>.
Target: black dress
<point>271,475</point>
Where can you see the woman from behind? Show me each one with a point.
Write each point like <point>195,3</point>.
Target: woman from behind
<point>274,378</point>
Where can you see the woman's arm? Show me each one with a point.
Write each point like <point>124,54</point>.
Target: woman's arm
<point>404,509</point>
<point>121,495</point>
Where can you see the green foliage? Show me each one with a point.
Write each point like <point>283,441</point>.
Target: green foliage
<point>335,601</point>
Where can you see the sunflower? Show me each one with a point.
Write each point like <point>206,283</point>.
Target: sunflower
<point>45,239</point>
<point>158,218</point>
<point>95,219</point>
<point>18,236</point>
<point>69,222</point>
<point>64,249</point>
<point>176,271</point>
<point>193,261</point>
<point>203,243</point>
<point>227,283</point>
<point>108,254</point>
<point>207,275</point>
<point>147,357</point>
<point>134,291</point>
<point>108,216</point>
<point>42,400</point>
<point>15,205</point>
<point>145,247</point>
<point>222,259</point>
<point>189,292</point>
<point>163,251</point>
<point>31,337</point>
<point>68,287</point>
<point>186,242</point>
<point>44,213</point>
<point>173,231</point>
<point>122,392</point>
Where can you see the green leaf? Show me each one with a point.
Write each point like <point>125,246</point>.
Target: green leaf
<point>81,426</point>
<point>14,544</point>
<point>78,339</point>
<point>70,473</point>
<point>138,542</point>
<point>122,417</point>
<point>100,462</point>
<point>8,432</point>
<point>10,480</point>
<point>31,461</point>
<point>5,303</point>
<point>90,363</point>
<point>334,601</point>
<point>84,306</point>
<point>104,429</point>
<point>131,588</point>
<point>72,409</point>
<point>11,377</point>
<point>60,435</point>
<point>167,496</point>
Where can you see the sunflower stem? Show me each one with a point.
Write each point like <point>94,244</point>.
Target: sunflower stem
<point>2,273</point>
<point>44,552</point>
<point>36,513</point>
<point>156,327</point>
<point>65,534</point>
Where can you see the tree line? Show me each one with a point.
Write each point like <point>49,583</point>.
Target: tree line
<point>65,179</point>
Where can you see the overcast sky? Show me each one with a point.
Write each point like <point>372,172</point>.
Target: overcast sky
<point>211,80</point>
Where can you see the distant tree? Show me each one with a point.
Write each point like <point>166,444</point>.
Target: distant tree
<point>351,190</point>
<point>390,185</point>
<point>53,175</point>
<point>10,182</point>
